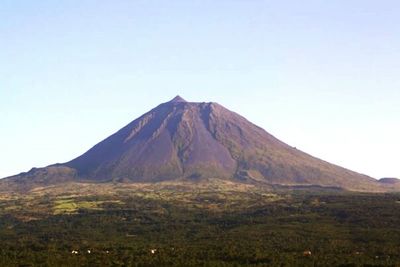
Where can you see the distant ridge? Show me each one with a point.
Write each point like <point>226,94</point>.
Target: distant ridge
<point>194,141</point>
<point>389,180</point>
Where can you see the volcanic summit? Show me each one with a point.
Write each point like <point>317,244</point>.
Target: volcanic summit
<point>194,141</point>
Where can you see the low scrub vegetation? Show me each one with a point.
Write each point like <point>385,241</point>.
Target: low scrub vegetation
<point>194,226</point>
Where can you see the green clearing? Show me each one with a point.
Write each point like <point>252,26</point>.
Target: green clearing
<point>70,206</point>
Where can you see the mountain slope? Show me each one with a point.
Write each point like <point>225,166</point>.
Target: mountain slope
<point>180,139</point>
<point>194,140</point>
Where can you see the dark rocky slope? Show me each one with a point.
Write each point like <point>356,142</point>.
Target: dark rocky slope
<point>180,139</point>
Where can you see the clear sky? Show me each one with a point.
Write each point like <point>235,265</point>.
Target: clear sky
<point>323,76</point>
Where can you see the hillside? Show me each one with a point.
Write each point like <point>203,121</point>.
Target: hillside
<point>195,141</point>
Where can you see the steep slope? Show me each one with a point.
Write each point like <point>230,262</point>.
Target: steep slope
<point>186,140</point>
<point>169,142</point>
<point>194,140</point>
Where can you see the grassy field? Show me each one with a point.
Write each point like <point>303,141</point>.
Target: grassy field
<point>207,224</point>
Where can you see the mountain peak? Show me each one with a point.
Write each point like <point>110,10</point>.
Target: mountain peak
<point>177,99</point>
<point>200,141</point>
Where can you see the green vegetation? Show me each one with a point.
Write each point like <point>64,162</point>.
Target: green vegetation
<point>196,226</point>
<point>69,206</point>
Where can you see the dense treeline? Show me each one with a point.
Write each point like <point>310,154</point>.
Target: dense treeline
<point>337,229</point>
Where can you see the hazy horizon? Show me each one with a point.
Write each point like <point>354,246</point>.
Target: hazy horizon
<point>322,77</point>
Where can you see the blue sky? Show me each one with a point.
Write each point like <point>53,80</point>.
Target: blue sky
<point>320,75</point>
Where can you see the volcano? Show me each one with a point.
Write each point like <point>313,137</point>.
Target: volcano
<point>195,141</point>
